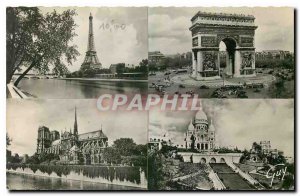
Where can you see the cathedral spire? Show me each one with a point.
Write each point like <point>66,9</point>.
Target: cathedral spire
<point>75,123</point>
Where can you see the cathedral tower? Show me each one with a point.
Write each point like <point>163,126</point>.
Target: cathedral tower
<point>75,124</point>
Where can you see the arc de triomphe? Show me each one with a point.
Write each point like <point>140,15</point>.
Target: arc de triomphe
<point>236,31</point>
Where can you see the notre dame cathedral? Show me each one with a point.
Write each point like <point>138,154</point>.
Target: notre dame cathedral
<point>73,148</point>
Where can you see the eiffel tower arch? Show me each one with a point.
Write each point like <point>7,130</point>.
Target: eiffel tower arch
<point>91,60</point>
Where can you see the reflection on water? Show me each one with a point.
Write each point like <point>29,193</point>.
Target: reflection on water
<point>30,182</point>
<point>65,89</point>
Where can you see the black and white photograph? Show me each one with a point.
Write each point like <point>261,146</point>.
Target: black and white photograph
<point>147,97</point>
<point>72,52</point>
<point>71,145</point>
<point>222,52</point>
<point>225,145</point>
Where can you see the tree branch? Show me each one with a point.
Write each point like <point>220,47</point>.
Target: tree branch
<point>24,73</point>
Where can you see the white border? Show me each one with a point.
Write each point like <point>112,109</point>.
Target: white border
<point>114,3</point>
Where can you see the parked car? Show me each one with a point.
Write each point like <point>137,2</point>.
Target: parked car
<point>204,87</point>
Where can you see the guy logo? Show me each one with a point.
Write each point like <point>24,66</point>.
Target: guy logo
<point>278,171</point>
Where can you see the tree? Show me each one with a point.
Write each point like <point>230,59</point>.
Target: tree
<point>111,155</point>
<point>276,160</point>
<point>288,182</point>
<point>8,140</point>
<point>21,25</point>
<point>40,42</point>
<point>125,146</point>
<point>155,172</point>
<point>120,68</point>
<point>144,62</point>
<point>245,156</point>
<point>16,158</point>
<point>140,150</point>
<point>34,159</point>
<point>88,71</point>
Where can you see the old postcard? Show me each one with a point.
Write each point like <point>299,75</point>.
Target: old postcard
<point>150,98</point>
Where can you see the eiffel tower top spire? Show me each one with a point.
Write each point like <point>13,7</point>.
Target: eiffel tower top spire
<point>91,59</point>
<point>91,44</point>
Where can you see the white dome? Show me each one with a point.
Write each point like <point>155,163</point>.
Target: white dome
<point>200,115</point>
<point>191,126</point>
<point>201,118</point>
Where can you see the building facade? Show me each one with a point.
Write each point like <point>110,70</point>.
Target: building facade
<point>117,68</point>
<point>155,57</point>
<point>72,147</point>
<point>200,134</point>
<point>273,54</point>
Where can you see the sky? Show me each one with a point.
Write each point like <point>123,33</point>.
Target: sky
<point>169,27</point>
<point>238,123</point>
<point>113,45</point>
<point>25,116</point>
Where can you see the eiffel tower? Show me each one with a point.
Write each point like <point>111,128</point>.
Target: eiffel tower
<point>91,60</point>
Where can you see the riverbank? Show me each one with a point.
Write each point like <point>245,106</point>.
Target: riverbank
<point>21,182</point>
<point>14,92</point>
<point>122,176</point>
<point>100,79</point>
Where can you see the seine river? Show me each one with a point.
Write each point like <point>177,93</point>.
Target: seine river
<point>76,89</point>
<point>30,182</point>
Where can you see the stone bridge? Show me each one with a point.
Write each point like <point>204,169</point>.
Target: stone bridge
<point>211,157</point>
<point>36,76</point>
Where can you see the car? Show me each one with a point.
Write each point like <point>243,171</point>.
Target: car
<point>256,90</point>
<point>204,87</point>
<point>181,86</point>
<point>242,96</point>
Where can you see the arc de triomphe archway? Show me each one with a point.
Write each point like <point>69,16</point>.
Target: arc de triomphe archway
<point>236,31</point>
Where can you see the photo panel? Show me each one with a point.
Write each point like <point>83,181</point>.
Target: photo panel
<point>222,52</point>
<point>230,144</point>
<point>76,52</point>
<point>72,145</point>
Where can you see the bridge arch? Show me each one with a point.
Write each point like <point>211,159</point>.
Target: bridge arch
<point>203,160</point>
<point>213,160</point>
<point>222,160</point>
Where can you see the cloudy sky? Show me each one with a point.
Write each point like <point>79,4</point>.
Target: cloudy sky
<point>169,27</point>
<point>237,122</point>
<point>25,116</point>
<point>129,45</point>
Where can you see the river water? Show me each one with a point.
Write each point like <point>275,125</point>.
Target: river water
<point>31,182</point>
<point>76,89</point>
